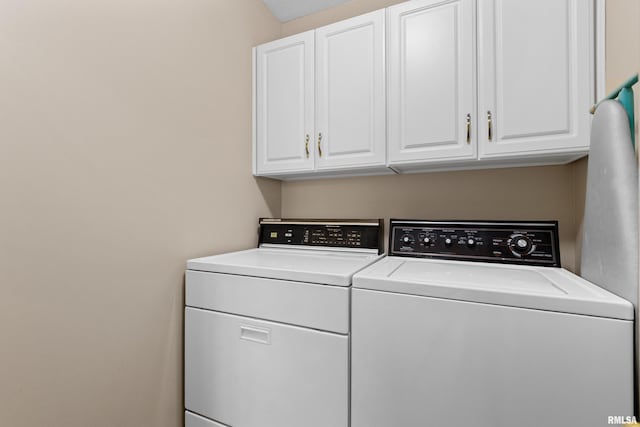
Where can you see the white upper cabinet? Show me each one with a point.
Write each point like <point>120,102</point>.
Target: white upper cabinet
<point>536,77</point>
<point>284,104</point>
<point>431,51</point>
<point>465,84</point>
<point>350,93</point>
<point>336,72</point>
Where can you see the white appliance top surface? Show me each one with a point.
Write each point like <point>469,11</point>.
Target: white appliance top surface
<point>543,288</point>
<point>329,267</point>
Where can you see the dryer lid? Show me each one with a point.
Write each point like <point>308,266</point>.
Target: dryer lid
<point>541,288</point>
<point>331,267</point>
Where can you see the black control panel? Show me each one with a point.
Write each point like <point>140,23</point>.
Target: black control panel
<point>512,242</point>
<point>348,234</point>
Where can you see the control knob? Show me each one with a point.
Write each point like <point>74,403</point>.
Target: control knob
<point>448,241</point>
<point>471,242</point>
<point>521,245</point>
<point>407,239</point>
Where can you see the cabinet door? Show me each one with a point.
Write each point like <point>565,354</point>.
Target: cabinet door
<point>284,104</point>
<point>535,76</point>
<point>244,372</point>
<point>350,93</point>
<point>431,81</point>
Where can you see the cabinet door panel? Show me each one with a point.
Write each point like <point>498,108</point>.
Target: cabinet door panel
<point>350,94</point>
<point>535,76</point>
<point>284,104</point>
<point>431,80</point>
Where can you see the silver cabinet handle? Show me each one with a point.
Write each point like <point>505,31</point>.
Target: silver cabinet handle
<point>319,144</point>
<point>306,145</point>
<point>468,128</point>
<point>489,126</point>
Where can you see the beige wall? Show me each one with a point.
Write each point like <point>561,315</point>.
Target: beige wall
<point>125,149</point>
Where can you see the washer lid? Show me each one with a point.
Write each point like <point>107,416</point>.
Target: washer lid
<point>331,267</point>
<point>543,288</point>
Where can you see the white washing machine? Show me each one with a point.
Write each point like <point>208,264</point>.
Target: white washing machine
<point>267,329</point>
<point>476,324</point>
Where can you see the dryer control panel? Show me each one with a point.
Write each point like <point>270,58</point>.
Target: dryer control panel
<point>346,234</point>
<point>512,242</point>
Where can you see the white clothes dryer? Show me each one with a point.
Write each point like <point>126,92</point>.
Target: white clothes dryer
<point>267,329</point>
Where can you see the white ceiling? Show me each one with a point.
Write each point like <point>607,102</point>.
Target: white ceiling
<point>286,10</point>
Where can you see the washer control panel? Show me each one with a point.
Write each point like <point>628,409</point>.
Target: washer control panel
<point>513,242</point>
<point>347,234</point>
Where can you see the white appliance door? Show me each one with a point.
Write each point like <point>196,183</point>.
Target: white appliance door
<point>419,361</point>
<point>248,373</point>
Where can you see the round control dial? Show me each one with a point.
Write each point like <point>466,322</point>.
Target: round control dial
<point>407,239</point>
<point>521,245</point>
<point>426,239</point>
